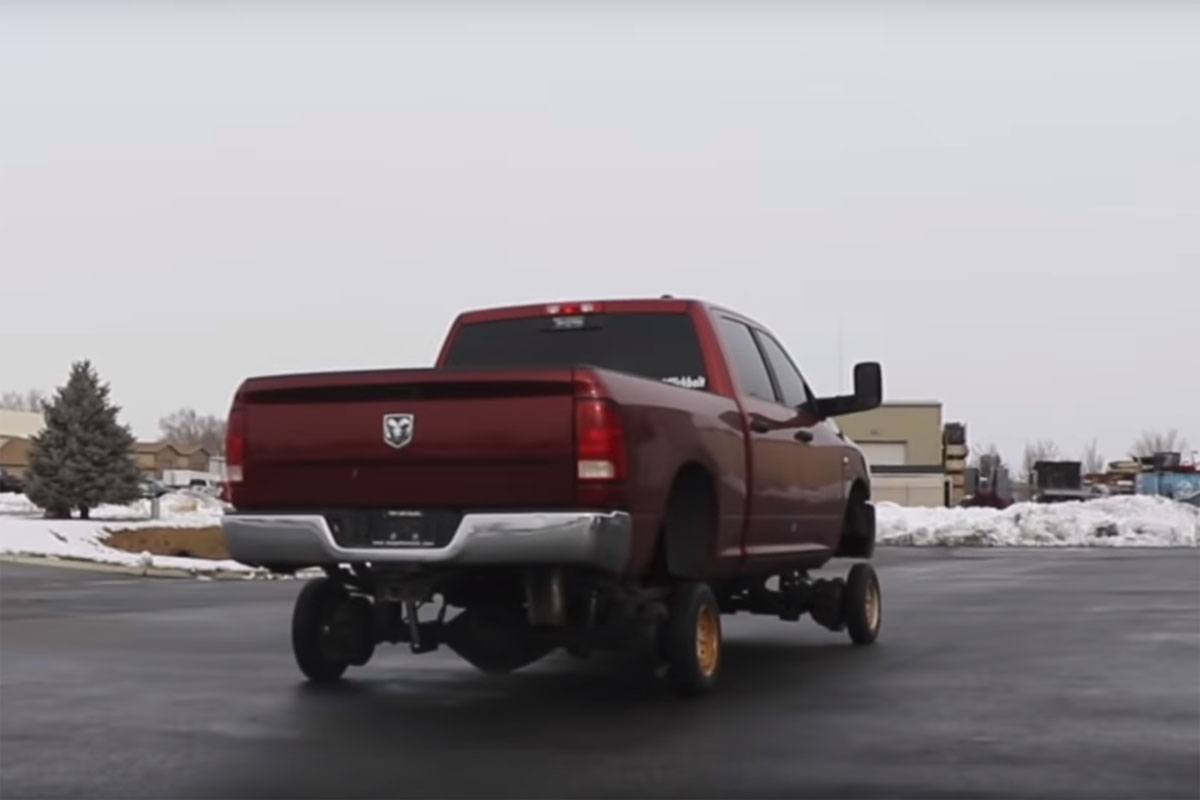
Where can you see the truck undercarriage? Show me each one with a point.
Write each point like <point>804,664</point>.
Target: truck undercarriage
<point>503,618</point>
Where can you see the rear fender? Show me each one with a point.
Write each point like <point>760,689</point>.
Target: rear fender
<point>688,532</point>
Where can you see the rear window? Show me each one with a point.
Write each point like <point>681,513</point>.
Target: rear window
<point>663,347</point>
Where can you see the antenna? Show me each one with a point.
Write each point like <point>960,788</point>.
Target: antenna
<point>841,356</point>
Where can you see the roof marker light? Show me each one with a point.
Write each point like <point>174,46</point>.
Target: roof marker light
<point>574,308</point>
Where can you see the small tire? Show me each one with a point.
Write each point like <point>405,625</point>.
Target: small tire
<point>691,639</point>
<point>362,613</point>
<point>311,622</point>
<point>862,604</point>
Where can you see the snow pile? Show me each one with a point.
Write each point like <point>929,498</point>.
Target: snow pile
<point>1124,521</point>
<point>24,532</point>
<point>175,508</point>
<point>84,541</point>
<point>12,504</point>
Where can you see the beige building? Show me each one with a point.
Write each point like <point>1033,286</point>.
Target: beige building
<point>14,455</point>
<point>16,429</point>
<point>155,457</point>
<point>903,443</point>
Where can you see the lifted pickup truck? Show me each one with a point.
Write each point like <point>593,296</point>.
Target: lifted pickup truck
<point>575,475</point>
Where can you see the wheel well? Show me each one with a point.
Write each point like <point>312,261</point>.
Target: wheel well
<point>858,526</point>
<point>688,529</point>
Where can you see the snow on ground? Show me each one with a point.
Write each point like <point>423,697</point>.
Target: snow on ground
<point>1126,521</point>
<point>16,504</point>
<point>83,541</point>
<point>175,508</point>
<point>23,532</point>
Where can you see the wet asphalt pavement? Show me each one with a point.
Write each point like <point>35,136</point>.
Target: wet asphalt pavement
<point>998,673</point>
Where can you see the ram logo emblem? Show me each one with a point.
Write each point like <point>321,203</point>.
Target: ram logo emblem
<point>398,429</point>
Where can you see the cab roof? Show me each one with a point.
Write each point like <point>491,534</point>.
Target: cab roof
<point>661,305</point>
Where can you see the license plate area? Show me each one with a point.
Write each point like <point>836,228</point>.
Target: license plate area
<point>393,529</point>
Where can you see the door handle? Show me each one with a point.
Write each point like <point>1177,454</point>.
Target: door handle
<point>804,435</point>
<point>759,425</point>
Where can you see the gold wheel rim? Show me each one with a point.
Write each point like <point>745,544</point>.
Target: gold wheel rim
<point>708,641</point>
<point>872,605</point>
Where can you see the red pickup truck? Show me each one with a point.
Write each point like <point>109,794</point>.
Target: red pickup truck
<point>573,475</point>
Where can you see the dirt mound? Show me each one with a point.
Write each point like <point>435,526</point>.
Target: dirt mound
<point>183,542</point>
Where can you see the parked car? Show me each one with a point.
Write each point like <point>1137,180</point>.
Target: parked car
<point>11,483</point>
<point>578,475</point>
<point>206,486</point>
<point>189,478</point>
<point>150,488</point>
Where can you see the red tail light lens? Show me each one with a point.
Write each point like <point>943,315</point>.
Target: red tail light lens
<point>599,441</point>
<point>235,446</point>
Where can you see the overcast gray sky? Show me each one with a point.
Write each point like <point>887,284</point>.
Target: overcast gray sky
<point>1000,202</point>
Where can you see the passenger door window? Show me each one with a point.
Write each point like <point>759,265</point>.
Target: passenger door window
<point>791,385</point>
<point>746,359</point>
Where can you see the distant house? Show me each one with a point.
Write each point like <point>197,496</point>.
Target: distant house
<point>16,429</point>
<point>14,455</point>
<point>155,457</point>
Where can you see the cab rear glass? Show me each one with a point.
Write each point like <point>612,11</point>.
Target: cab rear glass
<point>660,346</point>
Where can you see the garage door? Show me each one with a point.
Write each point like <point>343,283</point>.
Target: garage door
<point>886,454</point>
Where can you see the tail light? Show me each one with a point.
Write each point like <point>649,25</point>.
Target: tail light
<point>235,445</point>
<point>599,441</point>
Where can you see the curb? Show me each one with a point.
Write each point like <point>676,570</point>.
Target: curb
<point>128,569</point>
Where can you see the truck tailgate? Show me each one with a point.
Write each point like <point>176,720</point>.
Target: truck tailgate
<point>475,439</point>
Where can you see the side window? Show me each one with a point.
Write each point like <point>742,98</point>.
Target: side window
<point>746,360</point>
<point>791,385</point>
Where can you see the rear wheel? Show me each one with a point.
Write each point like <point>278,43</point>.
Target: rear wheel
<point>862,604</point>
<point>692,639</point>
<point>330,630</point>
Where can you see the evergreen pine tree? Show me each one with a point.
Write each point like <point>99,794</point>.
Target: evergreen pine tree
<point>83,457</point>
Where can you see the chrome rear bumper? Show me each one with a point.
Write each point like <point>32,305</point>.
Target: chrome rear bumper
<point>598,539</point>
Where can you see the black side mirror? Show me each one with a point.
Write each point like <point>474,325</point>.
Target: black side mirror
<point>868,384</point>
<point>868,393</point>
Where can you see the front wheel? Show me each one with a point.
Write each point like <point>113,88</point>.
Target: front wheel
<point>692,639</point>
<point>862,604</point>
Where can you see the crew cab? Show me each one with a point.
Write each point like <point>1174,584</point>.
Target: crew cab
<point>569,475</point>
